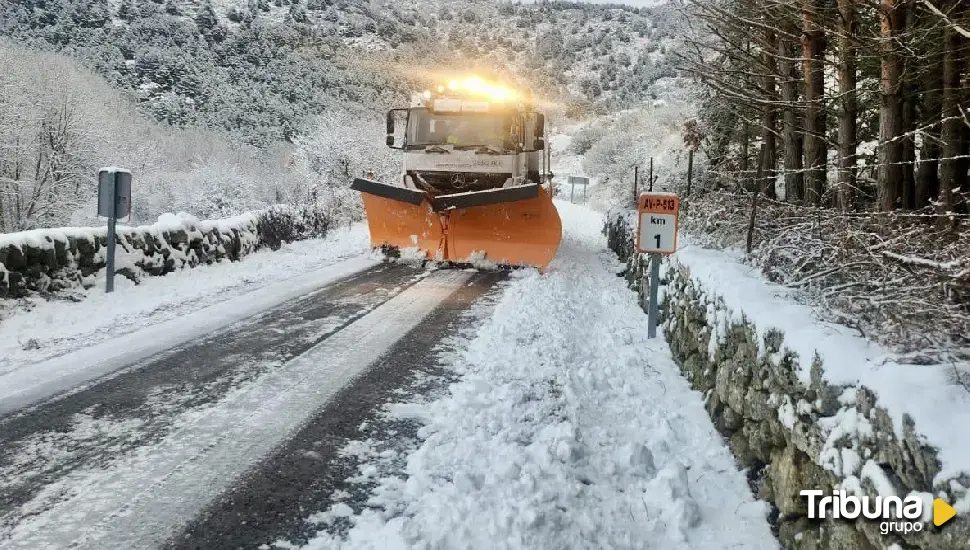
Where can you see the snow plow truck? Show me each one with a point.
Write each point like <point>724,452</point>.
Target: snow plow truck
<point>471,188</point>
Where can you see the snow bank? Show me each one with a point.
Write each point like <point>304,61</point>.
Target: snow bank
<point>568,428</point>
<point>68,258</point>
<point>939,406</point>
<point>812,404</point>
<point>174,307</point>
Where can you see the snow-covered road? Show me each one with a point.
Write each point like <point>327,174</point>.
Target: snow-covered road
<point>394,408</point>
<point>174,448</point>
<point>51,329</point>
<point>568,428</point>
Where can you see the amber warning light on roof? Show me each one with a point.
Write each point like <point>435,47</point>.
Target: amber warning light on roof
<point>657,217</point>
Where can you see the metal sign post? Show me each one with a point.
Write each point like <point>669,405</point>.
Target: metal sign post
<point>114,201</point>
<point>653,310</point>
<point>636,181</point>
<point>650,177</point>
<point>657,220</point>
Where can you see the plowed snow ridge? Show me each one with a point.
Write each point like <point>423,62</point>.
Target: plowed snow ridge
<point>569,428</point>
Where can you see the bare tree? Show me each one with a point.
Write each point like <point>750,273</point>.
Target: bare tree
<point>930,115</point>
<point>768,162</point>
<point>953,174</point>
<point>43,173</point>
<point>930,75</point>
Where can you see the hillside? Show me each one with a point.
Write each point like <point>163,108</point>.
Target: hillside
<point>261,70</point>
<point>60,122</point>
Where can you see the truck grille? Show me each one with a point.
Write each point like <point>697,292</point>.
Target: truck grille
<point>456,182</point>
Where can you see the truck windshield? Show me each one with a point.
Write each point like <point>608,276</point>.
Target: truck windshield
<point>461,130</point>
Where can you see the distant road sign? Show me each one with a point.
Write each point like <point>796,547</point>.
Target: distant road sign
<point>657,221</point>
<point>577,180</point>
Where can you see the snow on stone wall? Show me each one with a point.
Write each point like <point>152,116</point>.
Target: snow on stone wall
<point>795,431</point>
<point>52,260</point>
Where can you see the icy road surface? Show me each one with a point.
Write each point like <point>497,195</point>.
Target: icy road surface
<point>567,428</point>
<point>369,405</point>
<point>128,461</point>
<point>216,294</point>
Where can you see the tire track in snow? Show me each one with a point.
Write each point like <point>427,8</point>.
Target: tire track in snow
<point>37,383</point>
<point>47,449</point>
<point>271,502</point>
<point>567,428</point>
<point>142,497</point>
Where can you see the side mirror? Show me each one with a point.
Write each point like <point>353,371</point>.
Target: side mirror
<point>540,124</point>
<point>390,122</point>
<point>390,140</point>
<point>540,144</point>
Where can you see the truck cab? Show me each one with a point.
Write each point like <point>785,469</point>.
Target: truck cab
<point>454,142</point>
<point>470,189</point>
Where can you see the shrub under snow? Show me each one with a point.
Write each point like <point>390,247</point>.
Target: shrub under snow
<point>900,278</point>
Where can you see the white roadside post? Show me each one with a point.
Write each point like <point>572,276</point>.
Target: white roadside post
<point>657,217</point>
<point>114,201</point>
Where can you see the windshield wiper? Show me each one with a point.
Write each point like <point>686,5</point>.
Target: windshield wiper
<point>482,148</point>
<point>488,149</point>
<point>435,149</point>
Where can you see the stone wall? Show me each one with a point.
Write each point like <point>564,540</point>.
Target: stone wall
<point>789,435</point>
<point>45,261</point>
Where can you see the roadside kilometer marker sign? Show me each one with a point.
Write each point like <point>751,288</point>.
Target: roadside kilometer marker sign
<point>657,216</point>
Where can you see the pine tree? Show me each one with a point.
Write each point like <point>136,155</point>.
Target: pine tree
<point>208,23</point>
<point>848,104</point>
<point>813,56</point>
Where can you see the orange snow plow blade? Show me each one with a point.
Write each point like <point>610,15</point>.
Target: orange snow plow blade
<point>509,227</point>
<point>520,233</point>
<point>401,224</point>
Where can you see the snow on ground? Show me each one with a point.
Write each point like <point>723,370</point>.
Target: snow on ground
<point>51,328</point>
<point>138,498</point>
<point>57,346</point>
<point>568,428</point>
<point>938,404</point>
<point>566,163</point>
